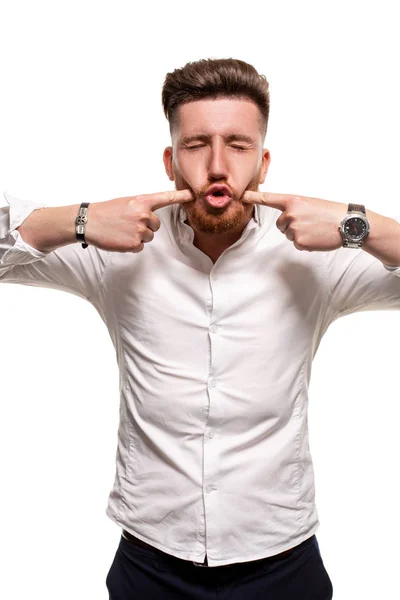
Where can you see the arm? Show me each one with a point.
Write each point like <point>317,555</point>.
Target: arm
<point>383,240</point>
<point>47,229</point>
<point>312,224</point>
<point>357,281</point>
<point>119,225</point>
<point>29,260</point>
<point>32,236</point>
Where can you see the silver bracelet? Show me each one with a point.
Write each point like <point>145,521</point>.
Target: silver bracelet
<point>80,223</point>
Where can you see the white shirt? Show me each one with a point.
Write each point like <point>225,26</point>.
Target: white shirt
<point>215,361</point>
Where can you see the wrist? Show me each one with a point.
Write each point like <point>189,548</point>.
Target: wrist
<point>47,229</point>
<point>383,241</point>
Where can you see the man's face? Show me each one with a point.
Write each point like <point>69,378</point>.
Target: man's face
<point>217,158</point>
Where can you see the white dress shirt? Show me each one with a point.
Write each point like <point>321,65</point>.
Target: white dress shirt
<point>215,360</point>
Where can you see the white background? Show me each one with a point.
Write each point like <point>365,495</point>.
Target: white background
<point>81,120</point>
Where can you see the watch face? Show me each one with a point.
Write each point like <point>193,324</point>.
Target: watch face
<point>355,228</point>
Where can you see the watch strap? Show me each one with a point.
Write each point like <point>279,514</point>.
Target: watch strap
<point>357,208</point>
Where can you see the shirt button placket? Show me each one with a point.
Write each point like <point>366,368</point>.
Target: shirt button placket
<point>210,452</point>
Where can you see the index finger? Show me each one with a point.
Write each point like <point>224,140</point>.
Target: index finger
<point>162,199</point>
<point>273,200</point>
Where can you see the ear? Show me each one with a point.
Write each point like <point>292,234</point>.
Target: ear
<point>266,159</point>
<point>167,158</point>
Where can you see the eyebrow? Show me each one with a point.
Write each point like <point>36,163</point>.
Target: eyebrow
<point>202,137</point>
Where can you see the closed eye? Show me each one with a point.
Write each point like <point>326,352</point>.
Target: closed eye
<point>201,145</point>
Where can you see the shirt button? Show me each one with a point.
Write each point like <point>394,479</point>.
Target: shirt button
<point>209,489</point>
<point>213,383</point>
<point>211,434</point>
<point>214,328</point>
<point>214,276</point>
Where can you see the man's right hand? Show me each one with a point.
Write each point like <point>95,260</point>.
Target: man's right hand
<point>126,224</point>
<point>120,225</point>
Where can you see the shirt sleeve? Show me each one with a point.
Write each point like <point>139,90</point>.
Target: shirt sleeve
<point>359,282</point>
<point>70,268</point>
<point>394,270</point>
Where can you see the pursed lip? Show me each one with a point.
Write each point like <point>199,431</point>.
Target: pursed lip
<point>218,188</point>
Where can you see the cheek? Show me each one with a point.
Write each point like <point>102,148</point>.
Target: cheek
<point>254,170</point>
<point>246,172</point>
<point>245,166</point>
<point>189,169</point>
<point>180,165</point>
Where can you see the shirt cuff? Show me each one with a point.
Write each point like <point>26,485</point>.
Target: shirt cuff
<point>13,212</point>
<point>387,267</point>
<point>391,268</point>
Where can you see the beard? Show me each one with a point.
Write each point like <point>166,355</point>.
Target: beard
<point>207,219</point>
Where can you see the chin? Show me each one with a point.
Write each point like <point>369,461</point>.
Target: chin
<point>218,221</point>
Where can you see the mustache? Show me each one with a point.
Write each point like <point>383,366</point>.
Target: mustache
<point>253,185</point>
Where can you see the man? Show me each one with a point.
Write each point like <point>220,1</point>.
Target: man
<point>215,324</point>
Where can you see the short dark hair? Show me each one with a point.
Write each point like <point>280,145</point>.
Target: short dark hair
<point>215,78</point>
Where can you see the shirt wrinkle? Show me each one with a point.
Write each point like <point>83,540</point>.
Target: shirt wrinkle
<point>214,365</point>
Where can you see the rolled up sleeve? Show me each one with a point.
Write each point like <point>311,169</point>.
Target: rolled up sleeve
<point>394,270</point>
<point>69,268</point>
<point>360,282</point>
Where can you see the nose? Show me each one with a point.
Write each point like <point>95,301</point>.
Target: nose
<point>218,167</point>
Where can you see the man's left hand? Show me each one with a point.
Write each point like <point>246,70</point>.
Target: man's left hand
<point>310,223</point>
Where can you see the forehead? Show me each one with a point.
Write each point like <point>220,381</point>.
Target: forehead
<point>221,116</point>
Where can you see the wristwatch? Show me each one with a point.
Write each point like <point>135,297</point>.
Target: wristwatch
<point>354,227</point>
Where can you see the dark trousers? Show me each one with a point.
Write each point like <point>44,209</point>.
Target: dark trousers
<point>143,574</point>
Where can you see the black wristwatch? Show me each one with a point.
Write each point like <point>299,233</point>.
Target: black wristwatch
<point>354,227</point>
